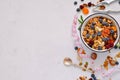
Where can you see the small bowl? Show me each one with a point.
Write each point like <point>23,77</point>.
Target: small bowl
<point>103,15</point>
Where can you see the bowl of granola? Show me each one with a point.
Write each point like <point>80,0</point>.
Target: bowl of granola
<point>100,32</point>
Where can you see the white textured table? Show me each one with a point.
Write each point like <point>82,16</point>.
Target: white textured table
<point>35,36</point>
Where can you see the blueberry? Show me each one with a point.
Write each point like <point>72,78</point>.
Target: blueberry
<point>117,63</point>
<point>92,75</point>
<point>119,2</point>
<point>76,48</point>
<point>100,20</point>
<point>75,3</point>
<point>94,78</point>
<point>82,0</point>
<point>115,47</point>
<point>93,23</point>
<point>92,26</point>
<point>89,4</point>
<point>105,24</point>
<point>78,9</point>
<point>111,24</point>
<point>111,31</point>
<point>104,39</point>
<point>99,33</point>
<point>87,35</point>
<point>93,35</point>
<point>99,48</point>
<point>107,39</point>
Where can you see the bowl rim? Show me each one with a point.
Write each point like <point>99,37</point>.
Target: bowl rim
<point>105,15</point>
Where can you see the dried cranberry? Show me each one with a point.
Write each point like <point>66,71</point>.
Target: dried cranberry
<point>111,44</point>
<point>107,46</point>
<point>89,4</point>
<point>90,79</point>
<point>91,42</point>
<point>93,56</point>
<point>81,6</point>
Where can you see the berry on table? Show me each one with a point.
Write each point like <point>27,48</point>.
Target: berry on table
<point>76,48</point>
<point>92,75</point>
<point>78,9</point>
<point>89,4</point>
<point>82,0</point>
<point>81,7</point>
<point>117,63</point>
<point>119,2</point>
<point>90,79</point>
<point>75,2</point>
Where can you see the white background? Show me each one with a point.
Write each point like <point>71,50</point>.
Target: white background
<point>35,36</point>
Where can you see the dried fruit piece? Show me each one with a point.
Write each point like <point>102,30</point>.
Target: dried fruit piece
<point>118,55</point>
<point>83,77</point>
<point>89,4</point>
<point>78,50</point>
<point>114,28</point>
<point>80,64</point>
<point>90,79</point>
<point>102,7</point>
<point>101,0</point>
<point>83,69</point>
<point>81,6</point>
<point>93,56</point>
<point>106,64</point>
<point>83,52</point>
<point>85,5</point>
<point>85,10</point>
<point>112,62</point>
<point>86,65</point>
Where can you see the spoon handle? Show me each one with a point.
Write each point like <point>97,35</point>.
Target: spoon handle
<point>76,65</point>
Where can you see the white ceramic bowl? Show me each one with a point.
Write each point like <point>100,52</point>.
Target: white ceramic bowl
<point>95,15</point>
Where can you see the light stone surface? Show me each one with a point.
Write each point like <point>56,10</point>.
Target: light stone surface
<point>35,36</point>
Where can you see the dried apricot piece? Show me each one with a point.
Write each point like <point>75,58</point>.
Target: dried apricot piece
<point>114,28</point>
<point>85,10</point>
<point>106,64</point>
<point>112,62</point>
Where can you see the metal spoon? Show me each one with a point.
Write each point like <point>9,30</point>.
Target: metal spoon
<point>107,3</point>
<point>68,62</point>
